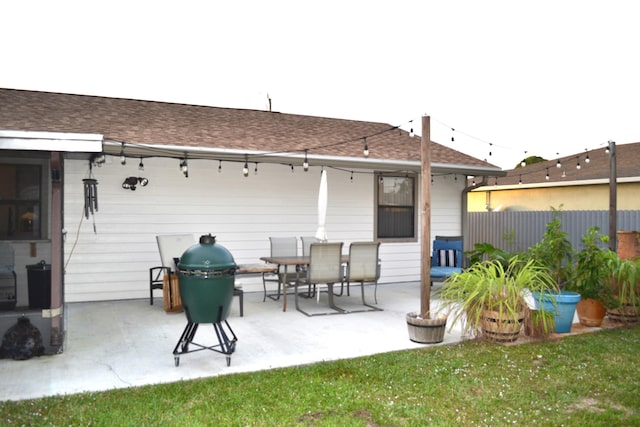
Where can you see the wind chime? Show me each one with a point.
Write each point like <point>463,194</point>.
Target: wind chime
<point>90,194</point>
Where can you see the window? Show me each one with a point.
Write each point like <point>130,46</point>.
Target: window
<point>20,201</point>
<point>396,213</point>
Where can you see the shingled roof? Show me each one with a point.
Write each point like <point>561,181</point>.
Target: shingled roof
<point>194,127</point>
<point>596,168</point>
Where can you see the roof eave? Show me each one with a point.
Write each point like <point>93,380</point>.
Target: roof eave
<point>295,158</point>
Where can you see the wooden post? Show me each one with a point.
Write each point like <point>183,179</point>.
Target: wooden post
<point>425,215</point>
<point>613,203</point>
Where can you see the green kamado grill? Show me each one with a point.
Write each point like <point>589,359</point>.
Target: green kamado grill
<point>206,275</point>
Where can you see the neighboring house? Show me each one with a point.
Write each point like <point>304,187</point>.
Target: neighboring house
<point>585,188</point>
<point>193,158</point>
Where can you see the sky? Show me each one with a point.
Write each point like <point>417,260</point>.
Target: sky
<point>511,78</point>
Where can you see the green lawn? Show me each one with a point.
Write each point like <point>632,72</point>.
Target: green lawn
<point>590,379</point>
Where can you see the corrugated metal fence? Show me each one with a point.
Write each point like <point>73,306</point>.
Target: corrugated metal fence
<point>517,231</point>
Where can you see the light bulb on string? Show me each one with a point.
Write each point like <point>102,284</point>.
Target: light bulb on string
<point>292,169</point>
<point>184,167</point>
<point>305,164</point>
<point>452,131</point>
<point>351,179</point>
<point>123,159</point>
<point>255,171</point>
<point>547,176</point>
<point>490,145</point>
<point>558,164</point>
<point>366,147</point>
<point>523,163</point>
<point>411,134</point>
<point>245,168</point>
<point>578,166</point>
<point>141,165</point>
<point>520,179</point>
<point>587,159</point>
<point>219,166</point>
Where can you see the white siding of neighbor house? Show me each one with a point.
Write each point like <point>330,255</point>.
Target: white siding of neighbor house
<point>113,262</point>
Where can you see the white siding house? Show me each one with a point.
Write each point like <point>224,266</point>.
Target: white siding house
<point>107,255</point>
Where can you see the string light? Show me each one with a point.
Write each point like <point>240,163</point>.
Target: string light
<point>558,164</point>
<point>490,145</point>
<point>366,147</point>
<point>292,169</point>
<point>523,163</point>
<point>547,176</point>
<point>245,168</point>
<point>141,165</point>
<point>452,131</point>
<point>123,159</point>
<point>520,179</point>
<point>255,171</point>
<point>587,159</point>
<point>351,177</point>
<point>578,166</point>
<point>411,134</point>
<point>184,167</point>
<point>305,164</point>
<point>219,166</point>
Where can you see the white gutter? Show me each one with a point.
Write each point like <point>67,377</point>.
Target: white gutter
<point>50,141</point>
<point>600,181</point>
<point>226,154</point>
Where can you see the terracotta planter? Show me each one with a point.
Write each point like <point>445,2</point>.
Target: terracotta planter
<point>629,244</point>
<point>591,312</point>
<point>426,331</point>
<point>497,327</point>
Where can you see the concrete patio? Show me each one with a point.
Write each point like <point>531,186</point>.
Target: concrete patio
<point>120,344</point>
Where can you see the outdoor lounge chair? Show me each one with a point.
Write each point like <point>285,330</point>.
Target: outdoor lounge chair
<point>446,258</point>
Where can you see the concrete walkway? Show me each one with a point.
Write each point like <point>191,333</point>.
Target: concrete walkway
<point>130,343</point>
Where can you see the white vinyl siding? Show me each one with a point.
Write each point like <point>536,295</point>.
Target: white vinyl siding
<point>113,262</point>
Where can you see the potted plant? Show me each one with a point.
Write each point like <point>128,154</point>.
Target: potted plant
<point>624,305</point>
<point>491,296</point>
<point>556,253</point>
<point>592,273</point>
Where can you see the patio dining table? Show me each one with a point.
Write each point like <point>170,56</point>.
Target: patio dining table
<point>288,261</point>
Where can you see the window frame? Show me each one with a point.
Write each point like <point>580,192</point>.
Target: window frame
<point>377,206</point>
<point>28,159</point>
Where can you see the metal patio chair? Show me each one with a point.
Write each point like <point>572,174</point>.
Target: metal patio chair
<point>280,247</point>
<point>364,267</point>
<point>325,267</point>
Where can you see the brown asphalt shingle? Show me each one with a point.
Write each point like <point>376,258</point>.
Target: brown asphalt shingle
<point>149,122</point>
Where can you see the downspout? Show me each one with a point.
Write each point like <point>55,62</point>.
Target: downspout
<point>465,205</point>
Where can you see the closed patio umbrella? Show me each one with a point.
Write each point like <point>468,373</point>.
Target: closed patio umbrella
<point>321,234</point>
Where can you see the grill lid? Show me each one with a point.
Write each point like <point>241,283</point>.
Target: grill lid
<point>207,256</point>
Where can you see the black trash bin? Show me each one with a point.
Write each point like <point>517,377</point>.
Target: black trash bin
<point>206,274</point>
<point>39,282</point>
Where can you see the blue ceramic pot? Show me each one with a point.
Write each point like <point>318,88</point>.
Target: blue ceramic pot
<point>565,307</point>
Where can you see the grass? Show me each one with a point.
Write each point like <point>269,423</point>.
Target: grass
<point>589,379</point>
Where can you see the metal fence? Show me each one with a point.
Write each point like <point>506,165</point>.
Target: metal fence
<point>517,231</point>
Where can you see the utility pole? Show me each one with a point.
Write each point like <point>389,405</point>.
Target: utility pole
<point>425,198</point>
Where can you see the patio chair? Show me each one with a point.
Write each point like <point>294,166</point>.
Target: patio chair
<point>364,267</point>
<point>280,247</point>
<point>325,267</point>
<point>446,258</point>
<point>7,270</point>
<point>306,244</point>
